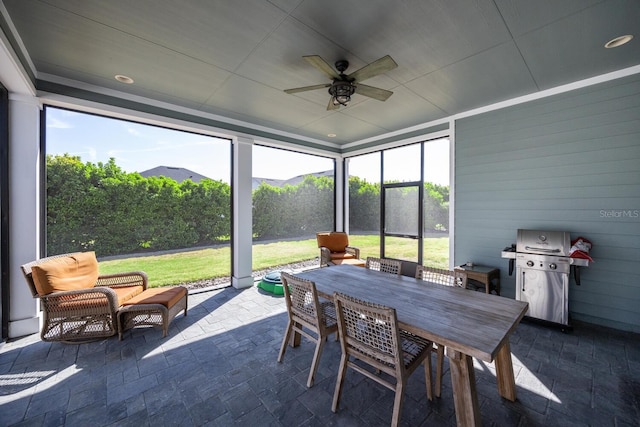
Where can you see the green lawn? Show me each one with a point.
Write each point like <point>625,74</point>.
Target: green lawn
<point>435,251</point>
<point>191,266</point>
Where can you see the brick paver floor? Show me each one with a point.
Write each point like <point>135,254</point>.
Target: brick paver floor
<point>218,367</point>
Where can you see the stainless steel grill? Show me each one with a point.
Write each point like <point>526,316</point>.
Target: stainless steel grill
<point>543,267</point>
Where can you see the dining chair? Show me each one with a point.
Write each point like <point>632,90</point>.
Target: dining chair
<point>369,334</point>
<point>448,278</point>
<point>308,316</point>
<point>442,276</point>
<point>385,265</point>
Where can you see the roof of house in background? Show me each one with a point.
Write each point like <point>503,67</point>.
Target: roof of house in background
<point>255,182</point>
<point>181,174</point>
<point>175,173</point>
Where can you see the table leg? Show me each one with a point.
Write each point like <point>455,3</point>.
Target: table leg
<point>463,381</point>
<point>504,373</point>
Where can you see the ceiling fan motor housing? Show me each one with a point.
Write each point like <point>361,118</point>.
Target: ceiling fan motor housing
<point>342,65</point>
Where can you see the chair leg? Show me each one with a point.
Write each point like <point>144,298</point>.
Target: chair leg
<point>316,360</point>
<point>439,362</point>
<point>339,380</point>
<point>285,340</point>
<point>428,376</point>
<point>397,404</point>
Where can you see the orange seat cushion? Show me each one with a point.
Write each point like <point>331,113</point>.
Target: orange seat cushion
<point>69,273</point>
<point>67,303</point>
<point>86,301</point>
<point>165,296</point>
<point>335,241</point>
<point>340,255</point>
<point>126,293</point>
<point>349,261</point>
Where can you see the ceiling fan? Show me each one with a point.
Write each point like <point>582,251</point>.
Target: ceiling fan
<point>344,85</point>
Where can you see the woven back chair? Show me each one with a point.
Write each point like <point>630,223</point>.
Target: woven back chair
<point>385,265</point>
<point>83,315</point>
<point>447,278</point>
<point>442,276</point>
<point>369,333</point>
<point>308,316</point>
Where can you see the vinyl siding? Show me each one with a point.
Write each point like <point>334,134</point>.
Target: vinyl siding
<point>566,162</point>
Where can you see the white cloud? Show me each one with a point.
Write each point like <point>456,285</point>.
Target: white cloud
<point>55,123</point>
<point>134,131</point>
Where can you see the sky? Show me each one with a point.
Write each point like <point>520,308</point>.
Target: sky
<point>135,147</point>
<point>139,147</point>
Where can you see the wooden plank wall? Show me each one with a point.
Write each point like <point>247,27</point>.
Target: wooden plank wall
<point>566,162</point>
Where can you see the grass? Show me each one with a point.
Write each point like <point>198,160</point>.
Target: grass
<point>435,250</point>
<point>171,269</point>
<point>191,266</point>
<point>267,255</point>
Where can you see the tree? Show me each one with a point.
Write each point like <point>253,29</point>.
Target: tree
<point>100,207</point>
<point>364,205</point>
<point>293,210</point>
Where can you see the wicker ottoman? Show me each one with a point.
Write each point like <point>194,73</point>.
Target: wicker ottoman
<point>153,307</point>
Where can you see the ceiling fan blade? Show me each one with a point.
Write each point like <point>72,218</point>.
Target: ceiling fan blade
<point>306,88</point>
<point>322,65</point>
<point>380,66</point>
<point>331,106</point>
<point>373,92</point>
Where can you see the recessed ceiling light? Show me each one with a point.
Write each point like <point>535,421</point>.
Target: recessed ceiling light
<point>331,135</point>
<point>124,79</point>
<point>618,41</point>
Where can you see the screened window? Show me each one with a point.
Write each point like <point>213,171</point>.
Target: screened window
<point>293,199</point>
<point>436,203</point>
<point>405,203</point>
<point>364,203</point>
<point>142,197</point>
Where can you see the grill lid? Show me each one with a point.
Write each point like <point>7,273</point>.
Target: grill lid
<point>543,242</point>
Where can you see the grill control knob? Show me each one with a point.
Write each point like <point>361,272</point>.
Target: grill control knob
<point>553,266</point>
<point>529,263</point>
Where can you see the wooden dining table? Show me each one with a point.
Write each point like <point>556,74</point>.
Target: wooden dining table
<point>470,324</point>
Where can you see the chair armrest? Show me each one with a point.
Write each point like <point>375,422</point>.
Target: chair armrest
<point>80,300</point>
<point>132,278</point>
<point>353,251</point>
<point>325,256</point>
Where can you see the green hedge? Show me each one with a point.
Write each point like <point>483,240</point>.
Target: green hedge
<point>364,207</point>
<point>103,208</point>
<point>293,211</point>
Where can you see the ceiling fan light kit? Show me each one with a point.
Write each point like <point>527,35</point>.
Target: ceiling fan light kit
<point>341,93</point>
<point>344,86</point>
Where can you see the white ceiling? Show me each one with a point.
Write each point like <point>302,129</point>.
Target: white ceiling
<point>234,58</point>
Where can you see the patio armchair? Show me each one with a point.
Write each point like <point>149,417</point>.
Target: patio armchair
<point>335,249</point>
<point>79,304</point>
